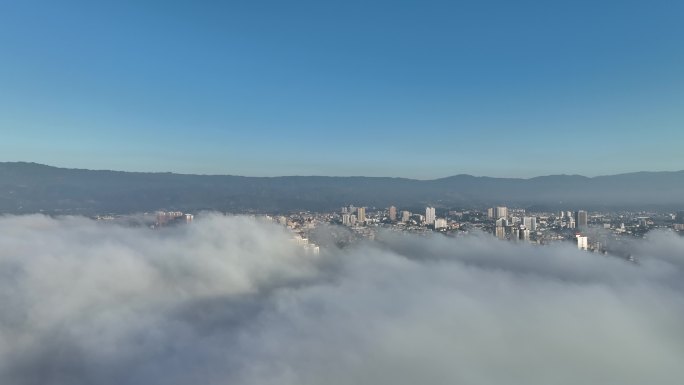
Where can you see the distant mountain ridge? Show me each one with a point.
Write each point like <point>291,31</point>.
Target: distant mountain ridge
<point>31,187</point>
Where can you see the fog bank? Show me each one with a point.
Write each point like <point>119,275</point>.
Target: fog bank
<point>231,300</point>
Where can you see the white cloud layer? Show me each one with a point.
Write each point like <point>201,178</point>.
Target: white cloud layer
<point>233,301</point>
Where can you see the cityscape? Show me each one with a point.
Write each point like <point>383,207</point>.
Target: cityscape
<point>597,232</point>
<point>341,192</point>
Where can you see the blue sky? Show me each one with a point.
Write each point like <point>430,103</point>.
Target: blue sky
<point>418,89</point>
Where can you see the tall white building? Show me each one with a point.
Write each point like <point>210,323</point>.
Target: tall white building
<point>392,213</point>
<point>500,231</point>
<point>530,223</point>
<point>582,242</point>
<point>525,234</point>
<point>405,216</point>
<point>361,214</point>
<point>501,212</point>
<point>440,223</point>
<point>430,215</point>
<point>515,234</point>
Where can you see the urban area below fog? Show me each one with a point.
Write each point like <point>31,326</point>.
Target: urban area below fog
<point>605,233</point>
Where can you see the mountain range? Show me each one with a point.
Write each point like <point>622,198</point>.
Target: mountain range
<point>31,187</point>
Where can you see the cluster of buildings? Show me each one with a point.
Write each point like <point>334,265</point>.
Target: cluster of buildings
<point>309,247</point>
<point>356,216</point>
<point>604,232</point>
<point>516,228</point>
<point>591,231</point>
<point>300,224</point>
<point>166,218</point>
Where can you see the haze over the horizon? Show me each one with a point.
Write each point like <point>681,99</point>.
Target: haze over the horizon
<point>418,89</point>
<point>334,176</point>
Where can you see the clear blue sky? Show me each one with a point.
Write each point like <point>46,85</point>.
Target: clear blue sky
<point>395,88</point>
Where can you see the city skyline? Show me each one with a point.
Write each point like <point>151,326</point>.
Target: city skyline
<point>383,89</point>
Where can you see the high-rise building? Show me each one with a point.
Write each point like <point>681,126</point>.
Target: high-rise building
<point>440,223</point>
<point>581,219</point>
<point>361,214</point>
<point>582,243</point>
<point>502,222</point>
<point>525,235</point>
<point>515,234</point>
<point>490,213</point>
<point>346,219</point>
<point>530,223</point>
<point>392,213</point>
<point>501,212</point>
<point>405,216</point>
<point>430,215</point>
<point>500,231</point>
<point>166,217</point>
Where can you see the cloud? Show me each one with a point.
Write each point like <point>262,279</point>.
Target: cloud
<point>231,300</point>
